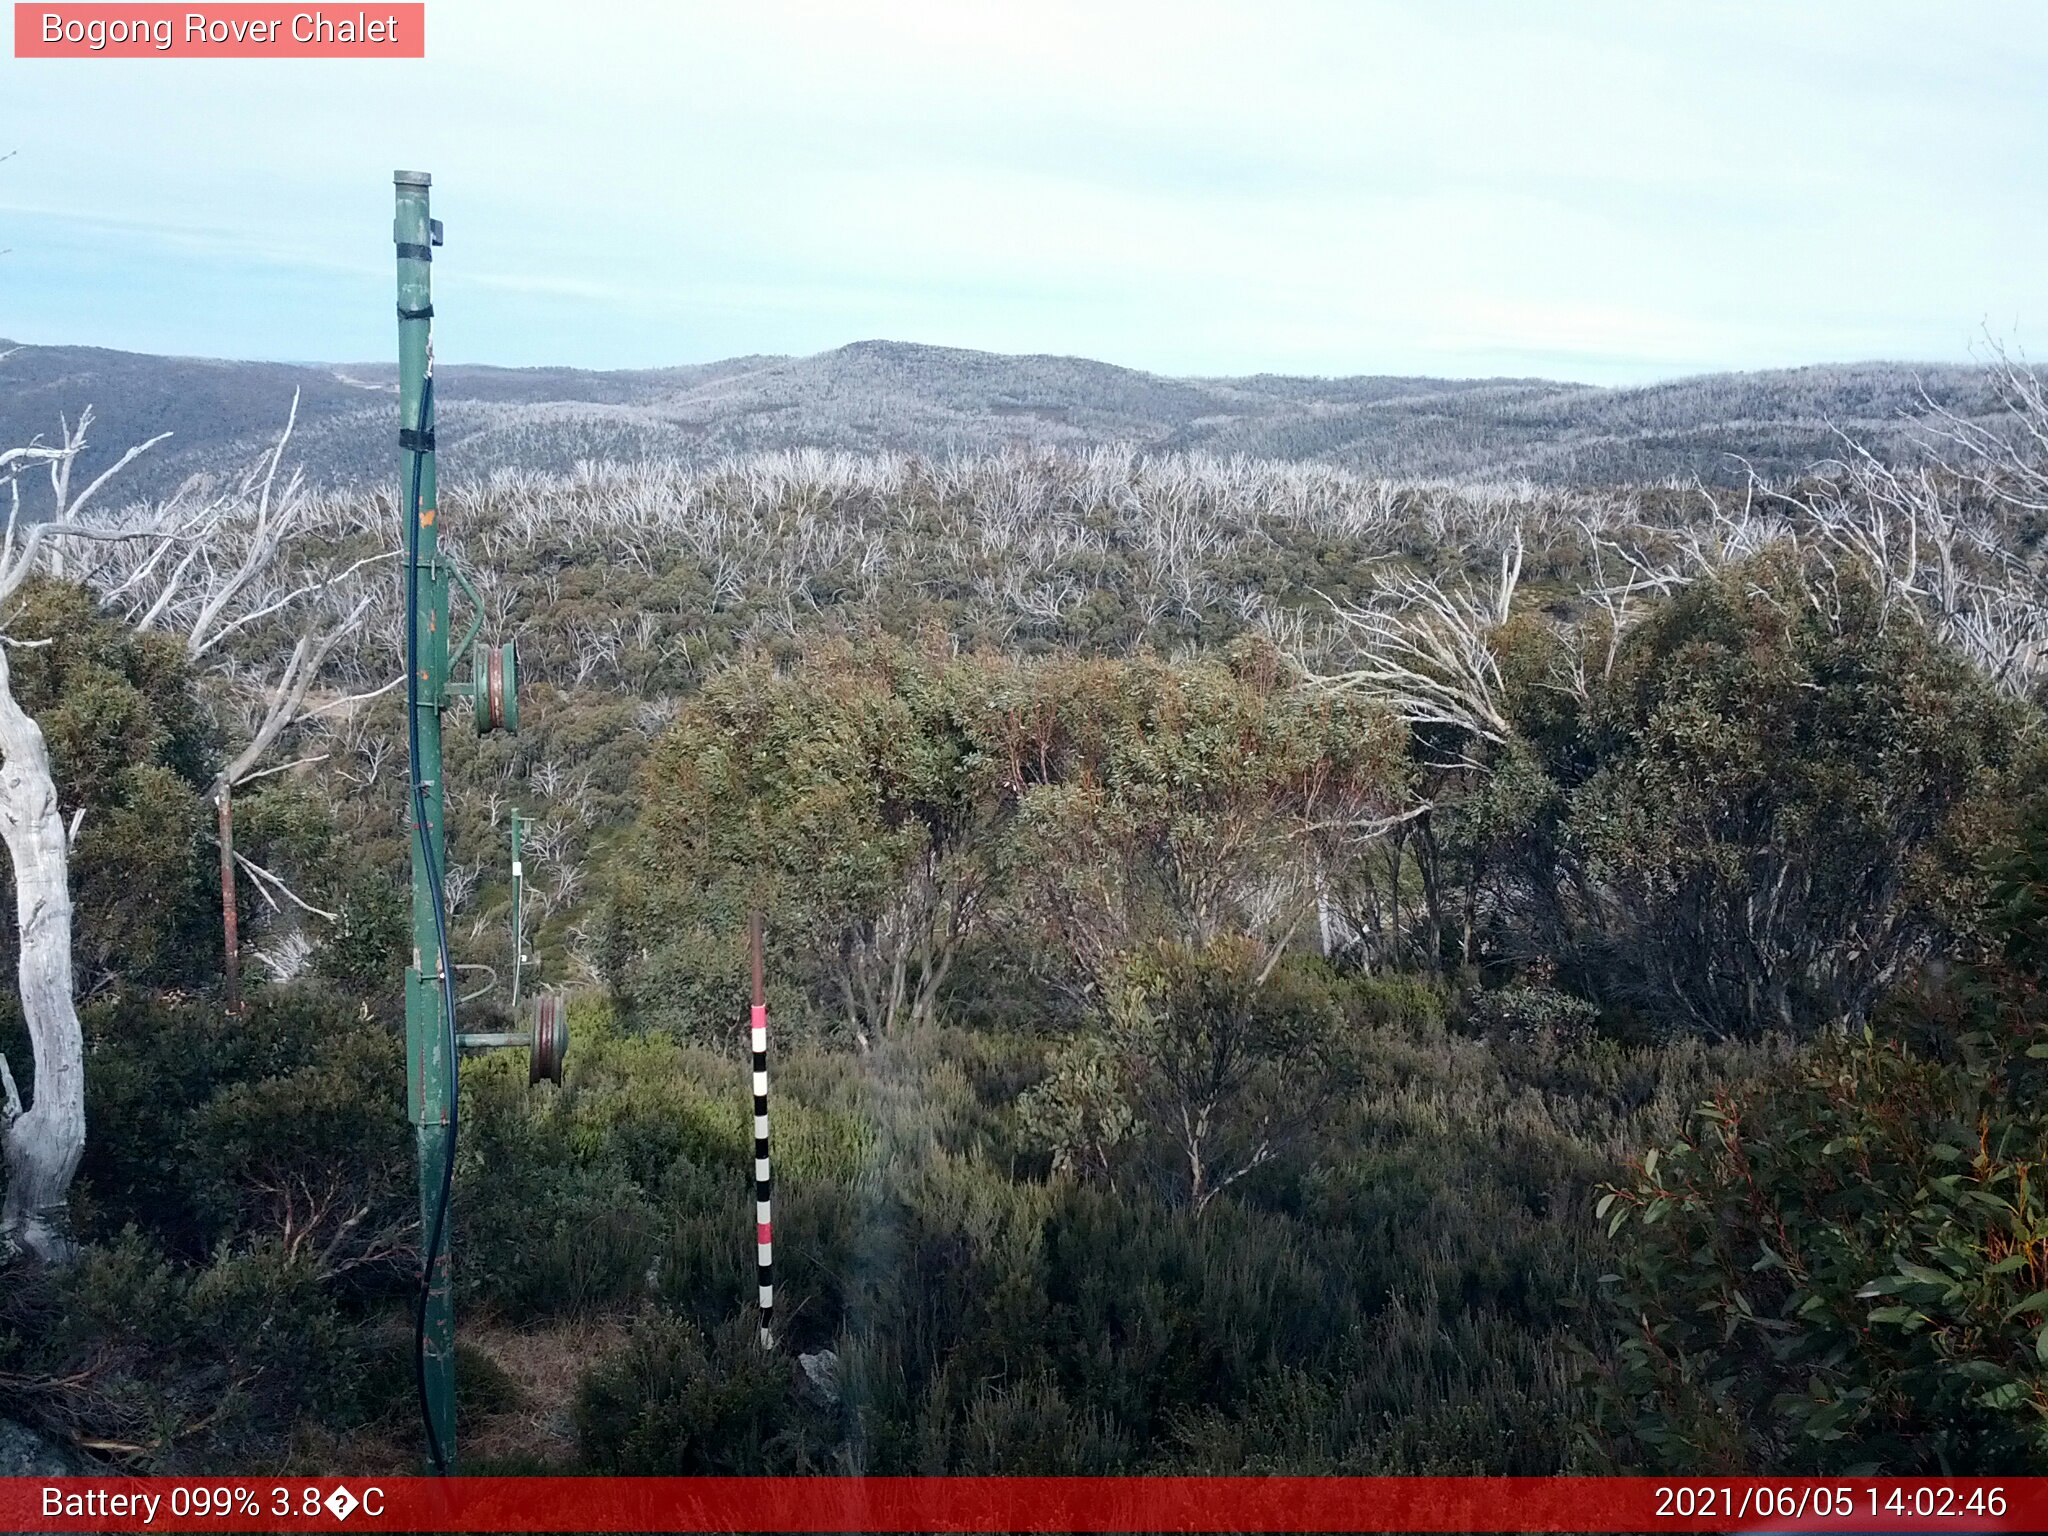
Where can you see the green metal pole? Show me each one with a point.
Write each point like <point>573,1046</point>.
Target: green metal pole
<point>429,1061</point>
<point>518,912</point>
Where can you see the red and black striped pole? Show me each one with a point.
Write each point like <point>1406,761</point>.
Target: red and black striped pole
<point>764,1182</point>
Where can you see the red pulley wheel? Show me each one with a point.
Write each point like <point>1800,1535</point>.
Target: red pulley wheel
<point>550,1039</point>
<point>497,689</point>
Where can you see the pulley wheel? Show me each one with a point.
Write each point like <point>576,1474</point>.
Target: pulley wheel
<point>550,1039</point>
<point>497,689</point>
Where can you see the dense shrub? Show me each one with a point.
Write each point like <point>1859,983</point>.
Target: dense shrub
<point>175,1366</point>
<point>842,798</point>
<point>129,750</point>
<point>559,1194</point>
<point>674,1401</point>
<point>1769,809</point>
<point>287,1118</point>
<point>365,946</point>
<point>1410,1269</point>
<point>1214,1062</point>
<point>890,807</point>
<point>1842,1269</point>
<point>246,1197</point>
<point>1839,1273</point>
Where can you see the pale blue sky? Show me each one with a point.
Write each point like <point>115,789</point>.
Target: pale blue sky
<point>1608,192</point>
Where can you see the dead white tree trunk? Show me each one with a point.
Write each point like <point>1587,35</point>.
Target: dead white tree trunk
<point>45,1138</point>
<point>43,1143</point>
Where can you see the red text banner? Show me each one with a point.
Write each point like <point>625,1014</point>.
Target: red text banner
<point>226,31</point>
<point>994,1504</point>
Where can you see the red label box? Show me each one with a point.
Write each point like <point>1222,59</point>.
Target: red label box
<point>1025,1504</point>
<point>376,30</point>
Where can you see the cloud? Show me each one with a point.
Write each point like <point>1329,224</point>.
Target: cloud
<point>1198,186</point>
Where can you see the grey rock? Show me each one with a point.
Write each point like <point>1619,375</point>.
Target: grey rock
<point>24,1452</point>
<point>822,1371</point>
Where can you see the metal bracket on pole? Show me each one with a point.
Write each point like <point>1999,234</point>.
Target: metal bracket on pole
<point>476,618</point>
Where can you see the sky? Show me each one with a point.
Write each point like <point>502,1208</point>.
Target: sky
<point>1613,193</point>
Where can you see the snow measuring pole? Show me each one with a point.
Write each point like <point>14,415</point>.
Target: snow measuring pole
<point>432,1044</point>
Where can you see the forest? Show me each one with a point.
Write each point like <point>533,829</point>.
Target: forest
<point>1272,968</point>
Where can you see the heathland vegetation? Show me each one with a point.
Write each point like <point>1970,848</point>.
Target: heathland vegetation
<point>1272,967</point>
<point>944,402</point>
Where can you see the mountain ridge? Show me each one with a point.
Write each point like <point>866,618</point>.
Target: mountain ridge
<point>882,395</point>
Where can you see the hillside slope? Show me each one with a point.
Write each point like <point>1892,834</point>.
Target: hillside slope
<point>937,400</point>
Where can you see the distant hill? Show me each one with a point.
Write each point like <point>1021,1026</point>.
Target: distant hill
<point>939,400</point>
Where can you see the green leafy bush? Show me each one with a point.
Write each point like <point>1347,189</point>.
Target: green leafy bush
<point>1213,1061</point>
<point>1772,803</point>
<point>1846,1267</point>
<point>172,1366</point>
<point>129,750</point>
<point>287,1117</point>
<point>558,1199</point>
<point>891,807</point>
<point>365,947</point>
<point>676,1401</point>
